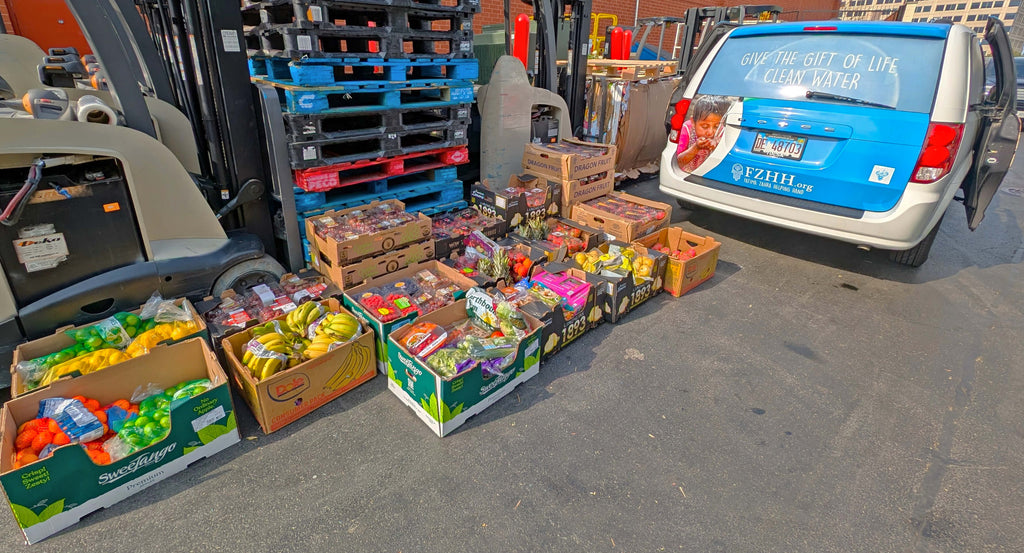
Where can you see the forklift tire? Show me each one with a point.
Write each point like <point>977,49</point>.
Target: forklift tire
<point>688,206</point>
<point>249,273</point>
<point>916,256</point>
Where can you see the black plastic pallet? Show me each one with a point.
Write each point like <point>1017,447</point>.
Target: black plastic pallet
<point>302,127</point>
<point>305,155</point>
<point>353,15</point>
<point>358,42</point>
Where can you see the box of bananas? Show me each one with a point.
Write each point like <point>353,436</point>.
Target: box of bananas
<point>295,363</point>
<point>633,273</point>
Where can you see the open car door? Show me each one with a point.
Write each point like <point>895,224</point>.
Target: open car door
<point>1000,129</point>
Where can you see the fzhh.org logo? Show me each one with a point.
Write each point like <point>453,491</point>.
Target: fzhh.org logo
<point>737,172</point>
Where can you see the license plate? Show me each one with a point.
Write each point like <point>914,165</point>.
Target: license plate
<point>786,146</point>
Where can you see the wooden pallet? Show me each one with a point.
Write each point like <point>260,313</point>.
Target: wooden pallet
<point>632,69</point>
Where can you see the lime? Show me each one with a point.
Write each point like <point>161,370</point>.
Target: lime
<point>94,342</point>
<point>165,422</point>
<point>131,320</point>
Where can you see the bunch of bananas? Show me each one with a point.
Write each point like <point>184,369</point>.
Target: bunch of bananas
<point>304,315</point>
<point>266,354</point>
<point>334,328</point>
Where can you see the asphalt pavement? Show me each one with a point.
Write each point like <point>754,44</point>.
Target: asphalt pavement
<point>810,397</point>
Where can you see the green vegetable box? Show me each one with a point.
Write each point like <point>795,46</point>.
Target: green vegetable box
<point>444,402</point>
<point>69,482</point>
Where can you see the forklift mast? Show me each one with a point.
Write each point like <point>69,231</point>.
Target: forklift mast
<point>569,83</point>
<point>189,53</point>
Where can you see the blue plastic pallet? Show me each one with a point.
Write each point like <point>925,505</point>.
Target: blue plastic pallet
<point>430,209</point>
<point>440,192</point>
<point>363,73</point>
<point>296,99</point>
<point>308,201</point>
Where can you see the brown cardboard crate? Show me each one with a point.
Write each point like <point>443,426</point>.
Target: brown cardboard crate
<point>361,247</point>
<point>546,159</point>
<point>346,276</point>
<point>681,276</point>
<point>622,229</point>
<point>288,395</point>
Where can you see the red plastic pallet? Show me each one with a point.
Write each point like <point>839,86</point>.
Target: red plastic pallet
<point>322,179</point>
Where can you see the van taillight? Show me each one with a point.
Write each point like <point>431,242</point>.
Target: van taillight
<point>678,117</point>
<point>938,152</point>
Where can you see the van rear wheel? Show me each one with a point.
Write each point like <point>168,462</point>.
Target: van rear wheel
<point>916,256</point>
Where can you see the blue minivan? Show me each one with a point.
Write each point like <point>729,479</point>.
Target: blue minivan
<point>858,131</point>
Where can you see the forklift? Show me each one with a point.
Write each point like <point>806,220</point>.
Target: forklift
<point>176,196</point>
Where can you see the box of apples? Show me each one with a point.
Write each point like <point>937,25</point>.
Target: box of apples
<point>692,258</point>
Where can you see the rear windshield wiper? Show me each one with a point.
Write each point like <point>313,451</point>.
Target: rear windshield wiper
<point>830,96</point>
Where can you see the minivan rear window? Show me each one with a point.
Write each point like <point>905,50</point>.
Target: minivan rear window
<point>899,72</point>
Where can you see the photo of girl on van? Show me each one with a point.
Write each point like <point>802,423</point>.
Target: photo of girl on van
<point>701,131</point>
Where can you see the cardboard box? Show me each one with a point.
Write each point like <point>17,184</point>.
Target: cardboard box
<point>52,494</point>
<point>293,393</point>
<point>555,161</point>
<point>361,247</point>
<point>579,190</point>
<point>681,276</point>
<point>381,329</point>
<point>506,204</point>
<point>444,404</point>
<point>59,340</point>
<point>445,247</point>
<point>322,288</point>
<point>590,237</point>
<point>561,326</point>
<point>347,276</point>
<point>621,228</point>
<point>623,293</point>
<point>537,256</point>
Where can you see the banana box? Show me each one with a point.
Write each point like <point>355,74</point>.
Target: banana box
<point>624,293</point>
<point>54,493</point>
<point>576,313</point>
<point>381,328</point>
<point>445,404</point>
<point>60,340</point>
<point>526,197</point>
<point>289,394</point>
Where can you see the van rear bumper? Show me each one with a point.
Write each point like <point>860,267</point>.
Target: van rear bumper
<point>900,228</point>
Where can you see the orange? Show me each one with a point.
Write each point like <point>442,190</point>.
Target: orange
<point>53,427</point>
<point>123,404</point>
<point>25,457</point>
<point>41,440</point>
<point>80,398</point>
<point>101,415</point>
<point>91,404</point>
<point>61,438</point>
<point>24,439</point>
<point>27,424</point>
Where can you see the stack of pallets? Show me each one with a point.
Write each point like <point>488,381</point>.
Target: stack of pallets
<point>376,96</point>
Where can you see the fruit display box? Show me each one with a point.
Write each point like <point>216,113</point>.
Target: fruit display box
<point>54,493</point>
<point>563,326</point>
<point>443,404</point>
<point>290,394</point>
<point>526,197</point>
<point>59,340</point>
<point>569,159</point>
<point>514,247</point>
<point>347,276</point>
<point>355,245</point>
<point>233,312</point>
<point>607,213</point>
<point>623,294</point>
<point>383,329</point>
<point>564,237</point>
<point>684,273</point>
<point>451,229</point>
<point>578,190</point>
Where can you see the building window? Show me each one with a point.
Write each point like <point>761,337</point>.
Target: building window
<point>961,6</point>
<point>927,9</point>
<point>1014,3</point>
<point>939,8</point>
<point>986,5</point>
<point>1010,16</point>
<point>998,4</point>
<point>975,5</point>
<point>972,18</point>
